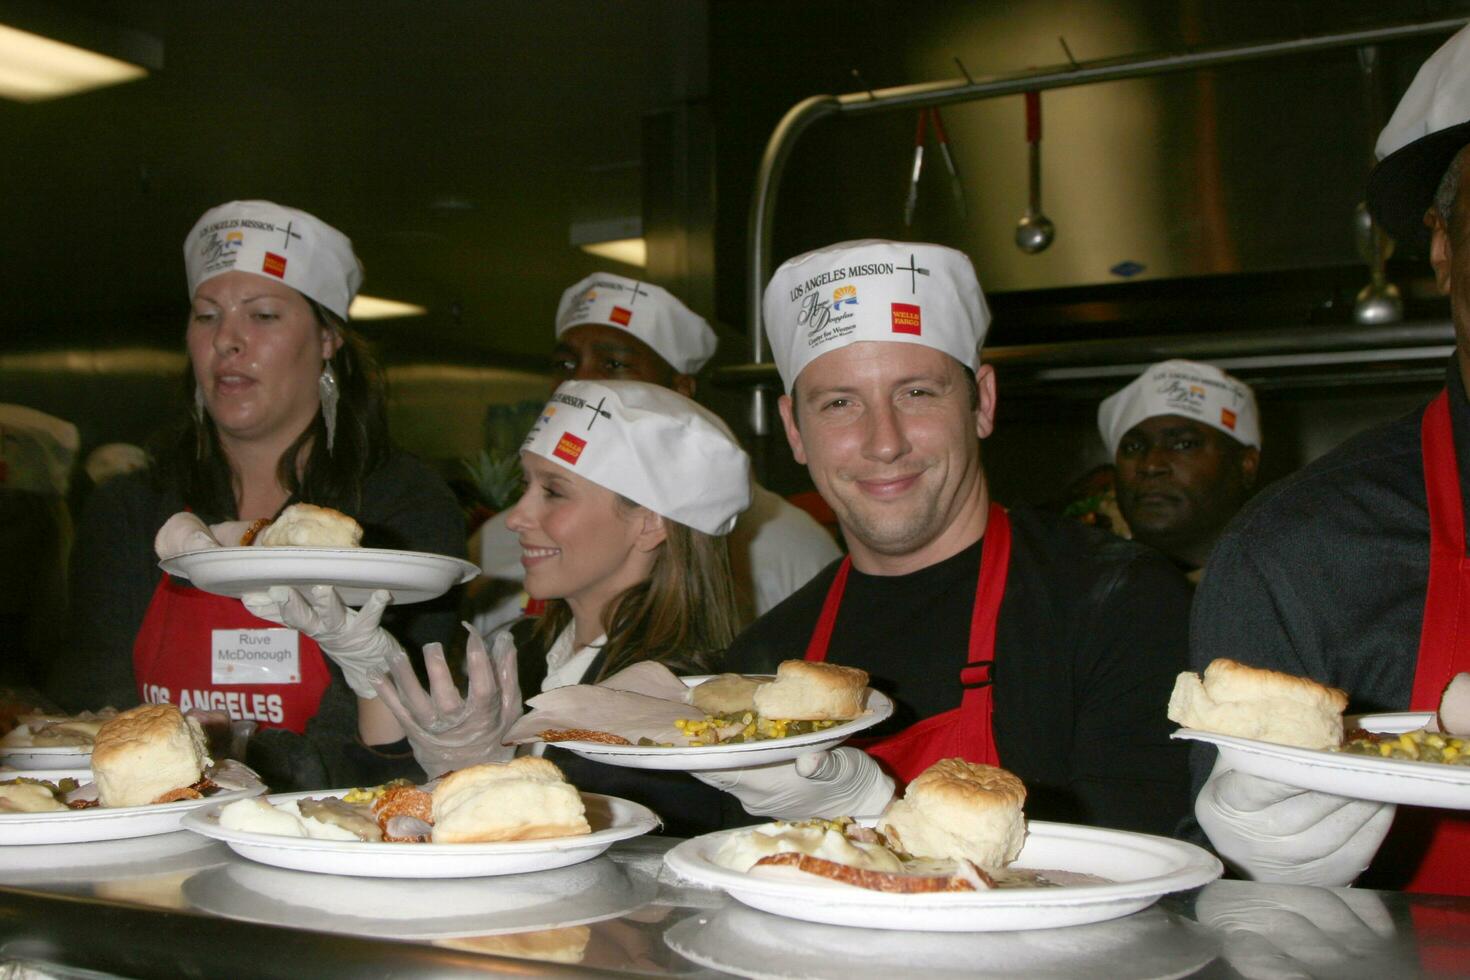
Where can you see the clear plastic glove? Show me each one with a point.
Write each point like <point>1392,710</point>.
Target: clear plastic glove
<point>1272,932</point>
<point>352,638</point>
<point>845,782</point>
<point>447,731</point>
<point>1273,832</point>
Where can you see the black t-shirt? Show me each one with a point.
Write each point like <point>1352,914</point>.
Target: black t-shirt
<point>1091,633</point>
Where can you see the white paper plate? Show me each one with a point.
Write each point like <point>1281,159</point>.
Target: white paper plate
<point>46,864</point>
<point>612,819</point>
<point>1139,869</point>
<point>1148,944</point>
<point>412,576</point>
<point>1345,774</point>
<point>46,756</point>
<point>407,909</point>
<point>100,823</point>
<point>700,758</point>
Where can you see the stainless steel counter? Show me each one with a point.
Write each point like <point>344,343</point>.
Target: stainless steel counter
<point>181,905</point>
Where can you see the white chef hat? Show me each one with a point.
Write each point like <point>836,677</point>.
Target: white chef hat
<point>874,290</point>
<point>651,313</point>
<point>36,451</point>
<point>114,459</point>
<point>275,242</point>
<point>1430,125</point>
<point>650,444</point>
<point>1186,388</point>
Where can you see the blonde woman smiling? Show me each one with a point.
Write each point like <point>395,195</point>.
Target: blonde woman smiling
<point>631,490</point>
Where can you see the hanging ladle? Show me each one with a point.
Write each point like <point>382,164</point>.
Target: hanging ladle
<point>1378,302</point>
<point>1034,231</point>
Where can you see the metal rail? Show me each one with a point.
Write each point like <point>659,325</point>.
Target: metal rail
<point>1253,352</point>
<point>808,111</point>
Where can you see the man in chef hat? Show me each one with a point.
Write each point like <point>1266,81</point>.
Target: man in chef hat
<point>37,452</point>
<point>610,327</point>
<point>1012,638</point>
<point>1186,444</point>
<point>1352,570</point>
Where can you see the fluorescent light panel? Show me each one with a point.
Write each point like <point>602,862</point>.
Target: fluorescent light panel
<point>629,251</point>
<point>377,308</point>
<point>35,68</point>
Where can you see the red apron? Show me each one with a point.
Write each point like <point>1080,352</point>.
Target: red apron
<point>1444,648</point>
<point>172,661</point>
<point>964,731</point>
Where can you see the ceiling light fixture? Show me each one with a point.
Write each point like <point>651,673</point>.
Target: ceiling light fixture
<point>620,240</point>
<point>35,68</point>
<point>377,308</point>
<point>629,251</point>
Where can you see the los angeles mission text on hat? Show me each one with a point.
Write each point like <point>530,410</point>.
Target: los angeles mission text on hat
<point>239,223</point>
<point>837,275</point>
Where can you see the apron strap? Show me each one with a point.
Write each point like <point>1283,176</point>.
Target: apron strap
<point>1439,636</point>
<point>816,647</point>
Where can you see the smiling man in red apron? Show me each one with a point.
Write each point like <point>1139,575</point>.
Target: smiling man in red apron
<point>1354,570</point>
<point>1008,637</point>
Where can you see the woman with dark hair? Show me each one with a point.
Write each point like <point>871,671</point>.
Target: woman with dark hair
<point>287,406</point>
<point>631,490</point>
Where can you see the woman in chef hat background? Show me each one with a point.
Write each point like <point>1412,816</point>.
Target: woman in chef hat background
<point>285,405</point>
<point>631,490</point>
<point>659,489</point>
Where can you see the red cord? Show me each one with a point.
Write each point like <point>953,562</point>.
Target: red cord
<point>1033,117</point>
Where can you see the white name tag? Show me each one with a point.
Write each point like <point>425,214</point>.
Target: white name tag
<point>256,656</point>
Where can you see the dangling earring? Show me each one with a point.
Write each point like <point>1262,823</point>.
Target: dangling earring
<point>327,386</point>
<point>201,433</point>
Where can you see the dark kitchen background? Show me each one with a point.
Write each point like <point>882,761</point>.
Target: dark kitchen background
<point>470,148</point>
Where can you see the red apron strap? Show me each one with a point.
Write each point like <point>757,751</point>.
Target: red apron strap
<point>995,561</point>
<point>965,732</point>
<point>1433,843</point>
<point>816,647</point>
<point>977,708</point>
<point>1440,655</point>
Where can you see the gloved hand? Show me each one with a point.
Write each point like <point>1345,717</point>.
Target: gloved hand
<point>447,731</point>
<point>845,782</point>
<point>1290,931</point>
<point>352,638</point>
<point>1273,832</point>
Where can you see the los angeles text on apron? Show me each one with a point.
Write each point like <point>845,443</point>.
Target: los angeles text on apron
<point>964,731</point>
<point>174,660</point>
<point>1444,649</point>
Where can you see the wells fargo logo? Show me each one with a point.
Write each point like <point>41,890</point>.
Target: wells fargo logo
<point>1227,419</point>
<point>621,315</point>
<point>569,448</point>
<point>907,319</point>
<point>274,265</point>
